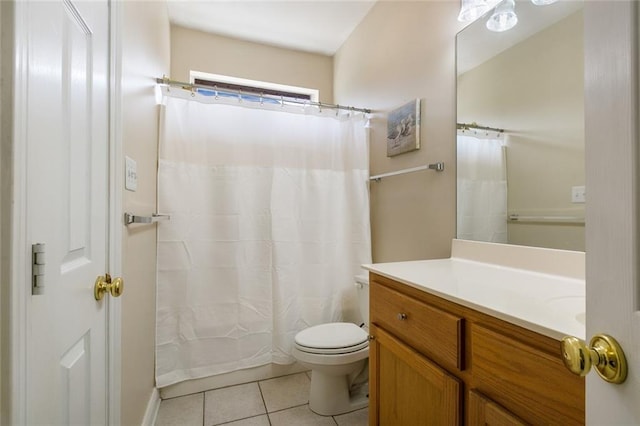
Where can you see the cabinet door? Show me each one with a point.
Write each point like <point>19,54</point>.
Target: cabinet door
<point>530,382</point>
<point>407,388</point>
<point>484,412</point>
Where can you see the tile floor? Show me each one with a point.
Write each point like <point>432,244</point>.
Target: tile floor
<point>283,401</point>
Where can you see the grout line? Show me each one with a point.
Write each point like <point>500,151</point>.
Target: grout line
<point>244,418</point>
<point>180,396</point>
<point>293,406</point>
<point>266,410</point>
<point>285,375</point>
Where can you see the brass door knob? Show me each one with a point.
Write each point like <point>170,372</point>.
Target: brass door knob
<point>104,284</point>
<point>603,352</point>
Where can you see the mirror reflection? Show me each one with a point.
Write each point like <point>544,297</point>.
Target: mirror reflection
<point>520,113</point>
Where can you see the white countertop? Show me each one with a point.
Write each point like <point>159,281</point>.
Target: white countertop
<point>552,305</point>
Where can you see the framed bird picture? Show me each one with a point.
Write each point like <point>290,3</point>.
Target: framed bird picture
<point>403,129</point>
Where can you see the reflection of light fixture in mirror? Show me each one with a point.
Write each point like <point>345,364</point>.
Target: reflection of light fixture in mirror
<point>470,10</point>
<point>543,2</point>
<point>504,17</point>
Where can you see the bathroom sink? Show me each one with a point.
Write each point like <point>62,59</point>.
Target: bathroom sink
<point>571,305</point>
<point>567,303</point>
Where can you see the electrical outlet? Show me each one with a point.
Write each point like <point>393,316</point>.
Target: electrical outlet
<point>578,194</point>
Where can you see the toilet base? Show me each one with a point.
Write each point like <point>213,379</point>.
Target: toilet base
<point>330,395</point>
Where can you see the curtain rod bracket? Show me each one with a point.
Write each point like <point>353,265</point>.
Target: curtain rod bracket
<point>438,167</point>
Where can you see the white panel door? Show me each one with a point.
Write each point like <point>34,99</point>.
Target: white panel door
<point>66,71</point>
<point>613,220</point>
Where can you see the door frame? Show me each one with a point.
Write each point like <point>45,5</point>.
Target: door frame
<point>116,221</point>
<point>613,208</point>
<point>16,294</point>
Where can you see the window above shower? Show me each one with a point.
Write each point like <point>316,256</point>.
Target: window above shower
<point>250,90</point>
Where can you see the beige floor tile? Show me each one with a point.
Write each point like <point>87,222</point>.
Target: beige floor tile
<point>285,392</point>
<point>355,418</point>
<point>183,411</point>
<point>299,416</point>
<point>232,403</point>
<point>251,421</point>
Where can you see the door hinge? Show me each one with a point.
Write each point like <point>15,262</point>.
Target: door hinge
<point>37,268</point>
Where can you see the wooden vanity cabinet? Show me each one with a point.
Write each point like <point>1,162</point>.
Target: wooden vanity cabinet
<point>434,362</point>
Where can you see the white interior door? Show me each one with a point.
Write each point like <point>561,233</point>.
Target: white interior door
<point>613,287</point>
<point>67,75</point>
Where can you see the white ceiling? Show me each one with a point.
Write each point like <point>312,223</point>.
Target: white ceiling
<point>319,26</point>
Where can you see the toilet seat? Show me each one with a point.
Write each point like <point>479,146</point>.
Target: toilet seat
<point>333,338</point>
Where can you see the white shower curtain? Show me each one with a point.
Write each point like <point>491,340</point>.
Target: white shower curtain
<point>269,224</point>
<point>482,189</point>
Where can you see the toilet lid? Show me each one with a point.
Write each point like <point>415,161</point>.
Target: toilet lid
<point>335,335</point>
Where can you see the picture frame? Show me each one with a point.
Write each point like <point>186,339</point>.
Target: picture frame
<point>403,129</point>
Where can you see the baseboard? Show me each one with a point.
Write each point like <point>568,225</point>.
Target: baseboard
<point>152,409</point>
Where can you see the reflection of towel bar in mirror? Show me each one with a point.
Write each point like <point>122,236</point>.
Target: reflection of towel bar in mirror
<point>438,167</point>
<point>132,218</point>
<point>576,220</point>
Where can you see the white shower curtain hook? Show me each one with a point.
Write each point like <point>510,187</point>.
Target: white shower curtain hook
<point>261,100</point>
<point>193,92</point>
<point>337,109</point>
<point>215,90</point>
<point>240,95</point>
<point>281,101</point>
<point>367,125</point>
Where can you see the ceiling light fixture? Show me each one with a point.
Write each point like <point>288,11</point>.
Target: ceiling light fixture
<point>470,10</point>
<point>504,17</point>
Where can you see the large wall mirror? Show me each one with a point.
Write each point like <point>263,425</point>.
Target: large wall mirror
<point>520,143</point>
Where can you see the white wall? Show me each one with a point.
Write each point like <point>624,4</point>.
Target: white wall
<point>535,91</point>
<point>193,50</point>
<point>145,56</point>
<point>401,51</point>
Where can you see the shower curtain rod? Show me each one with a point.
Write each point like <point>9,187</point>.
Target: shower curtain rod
<point>474,125</point>
<point>190,86</point>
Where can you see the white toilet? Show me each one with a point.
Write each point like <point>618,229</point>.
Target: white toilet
<point>338,355</point>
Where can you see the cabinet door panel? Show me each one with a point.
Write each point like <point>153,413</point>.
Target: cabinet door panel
<point>532,383</point>
<point>484,412</point>
<point>408,388</point>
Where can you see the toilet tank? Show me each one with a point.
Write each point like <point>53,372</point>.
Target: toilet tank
<point>362,290</point>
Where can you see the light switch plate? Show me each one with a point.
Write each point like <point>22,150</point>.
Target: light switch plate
<point>130,175</point>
